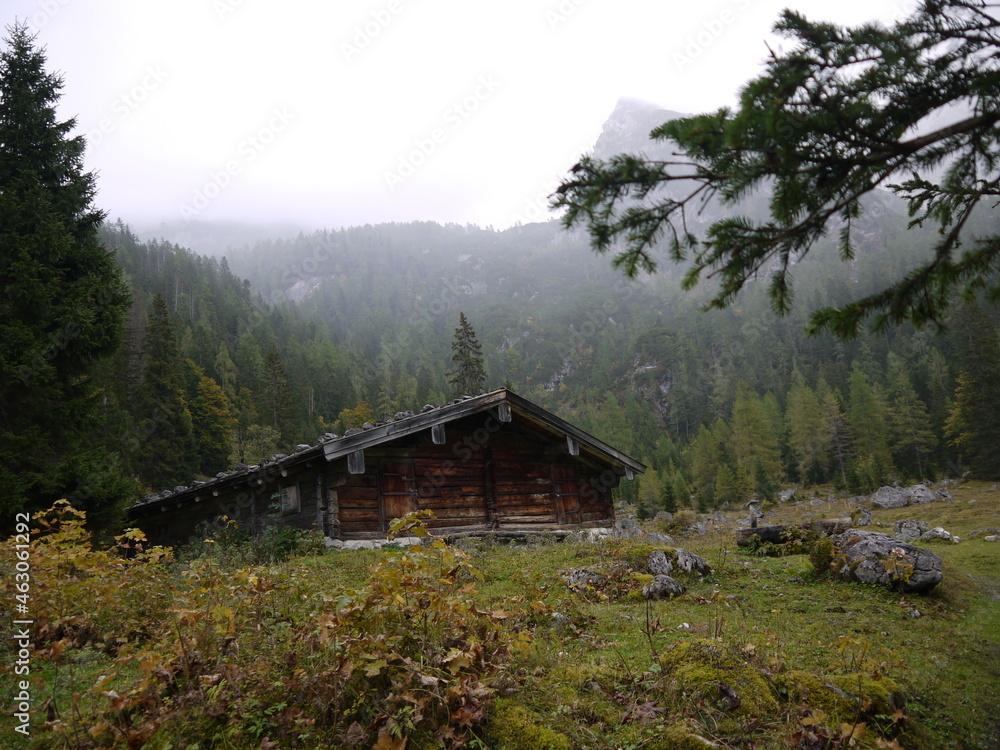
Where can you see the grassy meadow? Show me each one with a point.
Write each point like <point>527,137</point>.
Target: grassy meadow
<point>484,646</point>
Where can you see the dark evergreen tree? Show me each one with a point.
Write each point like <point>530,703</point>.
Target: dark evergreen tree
<point>167,452</point>
<point>468,376</point>
<point>62,299</point>
<point>973,426</point>
<point>214,426</point>
<point>274,392</point>
<point>909,421</point>
<point>808,442</point>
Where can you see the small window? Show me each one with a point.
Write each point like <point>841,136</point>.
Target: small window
<point>289,499</point>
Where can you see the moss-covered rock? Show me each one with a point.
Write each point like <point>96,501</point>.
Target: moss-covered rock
<point>513,727</point>
<point>838,695</point>
<point>663,560</point>
<point>878,695</point>
<point>717,673</point>
<point>643,579</point>
<point>806,687</point>
<point>636,556</point>
<point>679,737</point>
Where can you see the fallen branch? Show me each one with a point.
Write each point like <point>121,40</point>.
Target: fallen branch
<point>785,532</point>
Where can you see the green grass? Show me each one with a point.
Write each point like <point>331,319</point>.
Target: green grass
<point>948,659</point>
<point>617,676</point>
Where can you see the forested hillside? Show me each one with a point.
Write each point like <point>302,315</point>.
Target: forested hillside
<point>207,375</point>
<point>227,360</point>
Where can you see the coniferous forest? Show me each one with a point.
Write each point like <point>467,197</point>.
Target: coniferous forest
<point>207,362</point>
<point>229,360</point>
<point>817,328</point>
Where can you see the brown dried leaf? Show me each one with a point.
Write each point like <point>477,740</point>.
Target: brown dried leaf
<point>385,742</point>
<point>356,735</point>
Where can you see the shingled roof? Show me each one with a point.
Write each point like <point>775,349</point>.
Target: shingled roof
<point>332,447</point>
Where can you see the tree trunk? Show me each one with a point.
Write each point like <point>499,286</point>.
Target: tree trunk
<point>776,534</point>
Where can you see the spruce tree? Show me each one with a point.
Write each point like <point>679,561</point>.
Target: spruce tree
<point>214,426</point>
<point>909,421</point>
<point>275,395</point>
<point>808,442</point>
<point>973,426</point>
<point>838,433</point>
<point>469,376</point>
<point>62,299</point>
<point>168,448</point>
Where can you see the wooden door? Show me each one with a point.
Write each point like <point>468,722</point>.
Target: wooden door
<point>397,487</point>
<point>566,494</point>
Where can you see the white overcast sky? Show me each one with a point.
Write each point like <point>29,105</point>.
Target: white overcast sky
<point>347,112</point>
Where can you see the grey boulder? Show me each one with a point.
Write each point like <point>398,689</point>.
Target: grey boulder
<point>663,587</point>
<point>890,497</point>
<point>665,562</point>
<point>919,494</point>
<point>909,531</point>
<point>876,558</point>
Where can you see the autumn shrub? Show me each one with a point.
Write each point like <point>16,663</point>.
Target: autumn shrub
<point>678,523</point>
<point>821,554</point>
<point>78,592</point>
<point>233,547</point>
<point>271,656</point>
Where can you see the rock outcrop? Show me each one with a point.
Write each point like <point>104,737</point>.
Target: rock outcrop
<point>908,530</point>
<point>663,587</point>
<point>876,558</point>
<point>889,497</point>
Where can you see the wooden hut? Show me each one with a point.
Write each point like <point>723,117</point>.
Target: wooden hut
<point>494,461</point>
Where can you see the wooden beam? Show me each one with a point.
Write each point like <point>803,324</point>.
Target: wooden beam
<point>628,474</point>
<point>356,462</point>
<point>503,412</point>
<point>438,434</point>
<point>572,445</point>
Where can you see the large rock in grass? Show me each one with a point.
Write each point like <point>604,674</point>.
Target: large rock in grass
<point>945,495</point>
<point>919,494</point>
<point>663,587</point>
<point>909,530</point>
<point>668,560</point>
<point>890,497</point>
<point>627,527</point>
<point>581,579</point>
<point>876,558</point>
<point>939,533</point>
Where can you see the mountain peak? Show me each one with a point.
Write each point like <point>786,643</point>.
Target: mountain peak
<point>627,129</point>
